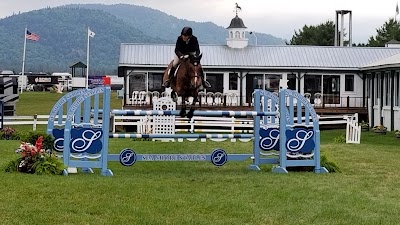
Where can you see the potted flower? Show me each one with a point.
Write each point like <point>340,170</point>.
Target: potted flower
<point>7,132</point>
<point>397,133</point>
<point>364,126</point>
<point>380,129</point>
<point>35,159</point>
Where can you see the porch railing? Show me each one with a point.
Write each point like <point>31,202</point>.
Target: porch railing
<point>218,99</point>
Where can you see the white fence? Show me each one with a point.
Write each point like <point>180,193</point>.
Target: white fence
<point>27,120</point>
<point>353,130</point>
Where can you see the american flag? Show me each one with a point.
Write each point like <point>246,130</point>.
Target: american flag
<point>32,36</point>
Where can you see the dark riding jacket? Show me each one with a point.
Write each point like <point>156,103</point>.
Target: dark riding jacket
<point>183,48</point>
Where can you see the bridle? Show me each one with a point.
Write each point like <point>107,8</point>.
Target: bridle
<point>196,76</point>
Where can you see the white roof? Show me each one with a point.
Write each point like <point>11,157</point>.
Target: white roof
<point>263,57</point>
<point>392,61</point>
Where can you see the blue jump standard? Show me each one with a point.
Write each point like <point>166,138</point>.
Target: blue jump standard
<point>195,113</point>
<point>290,138</point>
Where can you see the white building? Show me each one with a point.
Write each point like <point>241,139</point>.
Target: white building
<point>331,77</point>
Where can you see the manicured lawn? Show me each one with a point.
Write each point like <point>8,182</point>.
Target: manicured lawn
<point>41,103</point>
<point>366,192</point>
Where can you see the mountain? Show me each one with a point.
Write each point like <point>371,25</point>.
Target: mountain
<point>156,23</point>
<point>63,39</point>
<point>63,35</point>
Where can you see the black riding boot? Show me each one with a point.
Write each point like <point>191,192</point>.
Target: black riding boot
<point>168,81</point>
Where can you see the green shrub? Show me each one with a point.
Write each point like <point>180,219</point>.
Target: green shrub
<point>49,164</point>
<point>12,166</point>
<point>32,136</point>
<point>329,165</point>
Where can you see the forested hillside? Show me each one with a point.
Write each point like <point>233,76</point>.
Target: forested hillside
<point>156,23</point>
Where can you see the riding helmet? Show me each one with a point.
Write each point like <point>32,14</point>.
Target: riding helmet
<point>187,31</point>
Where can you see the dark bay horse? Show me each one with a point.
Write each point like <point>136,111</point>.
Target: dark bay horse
<point>186,82</point>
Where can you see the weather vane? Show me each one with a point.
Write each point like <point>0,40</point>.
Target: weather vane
<point>237,9</point>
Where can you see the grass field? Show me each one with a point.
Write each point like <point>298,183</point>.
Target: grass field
<point>366,192</point>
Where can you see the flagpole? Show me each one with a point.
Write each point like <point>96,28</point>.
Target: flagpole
<point>87,59</point>
<point>23,60</point>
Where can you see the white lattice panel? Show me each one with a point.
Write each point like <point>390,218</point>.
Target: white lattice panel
<point>164,124</point>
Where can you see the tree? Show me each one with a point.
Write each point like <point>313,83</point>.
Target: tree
<point>388,31</point>
<point>322,34</point>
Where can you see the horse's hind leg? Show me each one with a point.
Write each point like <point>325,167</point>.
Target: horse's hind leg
<point>182,113</point>
<point>190,113</point>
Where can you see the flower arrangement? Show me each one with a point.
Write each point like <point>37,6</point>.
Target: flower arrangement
<point>364,125</point>
<point>35,159</point>
<point>380,129</point>
<point>7,132</point>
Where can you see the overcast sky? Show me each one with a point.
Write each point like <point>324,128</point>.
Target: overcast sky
<point>276,17</point>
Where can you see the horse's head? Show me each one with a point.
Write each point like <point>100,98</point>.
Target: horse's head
<point>197,71</point>
<point>193,70</point>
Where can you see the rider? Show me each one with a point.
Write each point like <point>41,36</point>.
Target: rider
<point>186,44</point>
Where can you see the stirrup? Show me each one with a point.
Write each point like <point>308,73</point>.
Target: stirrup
<point>206,84</point>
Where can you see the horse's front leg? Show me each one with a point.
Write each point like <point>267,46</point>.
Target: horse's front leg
<point>182,113</point>
<point>192,107</point>
<point>174,96</point>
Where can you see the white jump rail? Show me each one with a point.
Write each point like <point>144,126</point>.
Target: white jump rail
<point>232,125</point>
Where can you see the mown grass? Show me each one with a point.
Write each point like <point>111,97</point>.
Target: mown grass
<point>41,103</point>
<point>366,192</point>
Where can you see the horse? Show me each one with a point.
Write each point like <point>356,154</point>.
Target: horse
<point>186,81</point>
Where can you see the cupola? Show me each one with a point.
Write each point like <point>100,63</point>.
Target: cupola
<point>236,32</point>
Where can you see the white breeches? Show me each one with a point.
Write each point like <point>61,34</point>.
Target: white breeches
<point>176,60</point>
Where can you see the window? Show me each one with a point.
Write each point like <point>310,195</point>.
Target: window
<point>397,88</point>
<point>377,83</point>
<point>231,36</point>
<point>331,89</point>
<point>155,81</point>
<point>349,83</point>
<point>271,82</point>
<point>233,81</point>
<point>386,89</point>
<point>137,82</point>
<point>237,34</point>
<point>217,82</point>
<point>15,85</point>
<point>1,85</point>
<point>291,81</point>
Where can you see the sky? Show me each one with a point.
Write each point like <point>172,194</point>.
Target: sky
<point>275,17</point>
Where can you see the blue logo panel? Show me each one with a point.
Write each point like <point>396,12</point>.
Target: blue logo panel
<point>58,144</point>
<point>219,157</point>
<point>127,157</point>
<point>300,140</point>
<point>269,139</point>
<point>86,140</point>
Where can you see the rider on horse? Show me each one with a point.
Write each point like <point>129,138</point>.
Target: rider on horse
<point>185,45</point>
